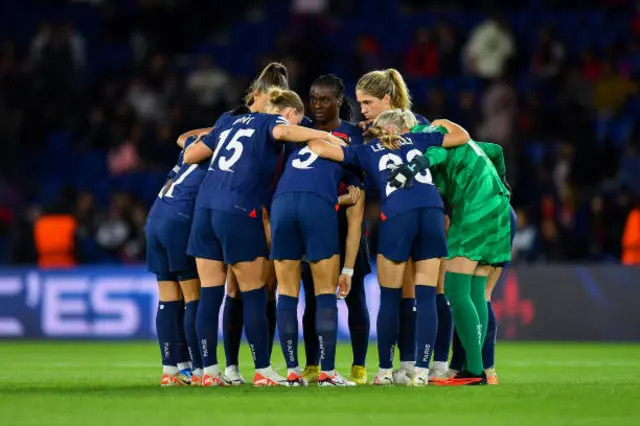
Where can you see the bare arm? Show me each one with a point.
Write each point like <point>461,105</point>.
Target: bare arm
<point>197,152</point>
<point>292,133</point>
<point>182,139</point>
<point>326,150</point>
<point>355,216</point>
<point>456,135</point>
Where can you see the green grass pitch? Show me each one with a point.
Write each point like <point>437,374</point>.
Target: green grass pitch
<point>95,384</point>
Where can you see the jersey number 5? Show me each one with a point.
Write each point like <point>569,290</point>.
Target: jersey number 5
<point>234,146</point>
<point>304,164</point>
<point>387,159</point>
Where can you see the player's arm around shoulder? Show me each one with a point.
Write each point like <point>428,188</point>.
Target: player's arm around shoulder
<point>456,134</point>
<point>198,133</point>
<point>328,150</point>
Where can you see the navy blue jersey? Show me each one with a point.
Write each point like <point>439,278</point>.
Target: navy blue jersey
<point>179,198</point>
<point>421,119</point>
<point>244,162</point>
<point>306,172</point>
<point>374,158</point>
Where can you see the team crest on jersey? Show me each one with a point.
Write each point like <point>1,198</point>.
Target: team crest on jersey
<point>342,136</point>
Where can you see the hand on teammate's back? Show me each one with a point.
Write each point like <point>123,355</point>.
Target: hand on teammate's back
<point>400,176</point>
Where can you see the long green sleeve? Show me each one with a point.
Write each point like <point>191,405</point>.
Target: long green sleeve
<point>436,155</point>
<point>495,154</point>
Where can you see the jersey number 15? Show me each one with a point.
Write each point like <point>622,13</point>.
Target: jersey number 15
<point>233,150</point>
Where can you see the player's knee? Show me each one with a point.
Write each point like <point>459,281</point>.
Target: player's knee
<point>169,291</point>
<point>190,287</point>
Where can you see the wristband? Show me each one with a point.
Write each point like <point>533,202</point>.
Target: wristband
<point>347,271</point>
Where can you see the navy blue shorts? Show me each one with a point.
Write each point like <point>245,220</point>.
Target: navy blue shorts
<point>417,234</point>
<point>227,237</point>
<point>513,223</point>
<point>303,224</point>
<point>167,256</point>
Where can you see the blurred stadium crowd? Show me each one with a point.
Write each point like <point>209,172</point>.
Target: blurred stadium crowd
<point>93,94</point>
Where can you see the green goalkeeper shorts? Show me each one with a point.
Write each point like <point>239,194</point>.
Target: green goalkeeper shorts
<point>481,231</point>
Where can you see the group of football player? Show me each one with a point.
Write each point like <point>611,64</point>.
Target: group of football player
<point>269,198</point>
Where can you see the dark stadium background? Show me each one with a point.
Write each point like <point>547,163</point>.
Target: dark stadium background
<point>93,94</point>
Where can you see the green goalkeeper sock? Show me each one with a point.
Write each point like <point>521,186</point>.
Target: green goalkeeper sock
<point>478,290</point>
<point>457,288</point>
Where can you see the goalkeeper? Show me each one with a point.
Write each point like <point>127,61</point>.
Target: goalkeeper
<point>471,179</point>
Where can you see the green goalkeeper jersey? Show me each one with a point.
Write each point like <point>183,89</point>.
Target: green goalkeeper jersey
<point>468,173</point>
<point>469,179</point>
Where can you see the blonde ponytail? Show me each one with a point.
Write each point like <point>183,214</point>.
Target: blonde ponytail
<point>386,82</point>
<point>400,120</point>
<point>274,75</point>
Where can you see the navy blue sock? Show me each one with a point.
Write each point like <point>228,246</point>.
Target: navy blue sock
<point>232,329</point>
<point>272,317</point>
<point>426,324</point>
<point>458,355</point>
<point>190,313</point>
<point>407,330</point>
<point>167,319</point>
<point>327,328</point>
<point>445,330</point>
<point>311,348</point>
<point>358,320</point>
<point>183,348</point>
<point>207,323</point>
<point>288,328</point>
<point>256,325</point>
<point>489,347</point>
<point>387,324</point>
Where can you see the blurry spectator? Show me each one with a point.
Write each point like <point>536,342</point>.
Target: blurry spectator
<point>134,248</point>
<point>422,56</point>
<point>96,133</point>
<point>467,113</point>
<point>309,7</point>
<point>562,169</point>
<point>631,237</point>
<point>499,111</point>
<point>124,157</point>
<point>147,104</point>
<point>596,236</point>
<point>548,55</point>
<point>611,90</point>
<point>591,66</point>
<point>87,220</point>
<point>524,247</point>
<point>114,230</point>
<point>629,172</point>
<point>577,91</point>
<point>58,46</point>
<point>208,84</point>
<point>435,105</point>
<point>367,55</point>
<point>489,48</point>
<point>449,49</point>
